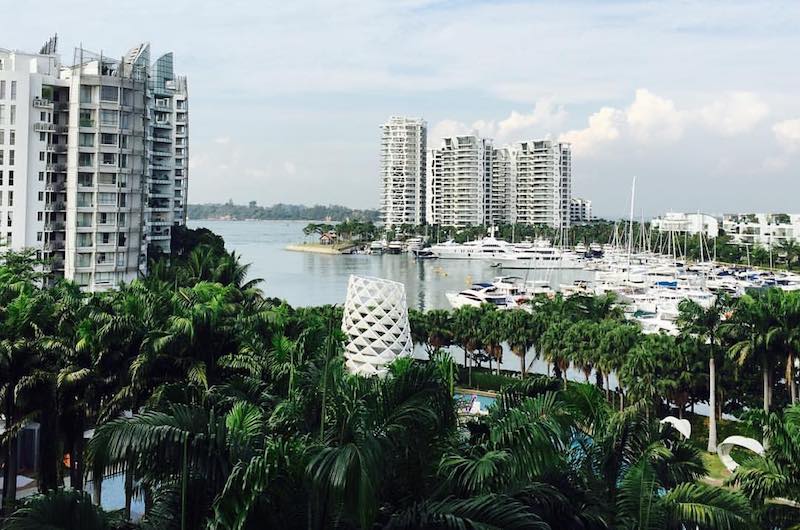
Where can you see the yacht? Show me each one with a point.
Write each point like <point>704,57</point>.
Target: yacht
<point>414,244</point>
<point>541,255</point>
<point>377,247</point>
<point>478,294</point>
<point>486,248</point>
<point>394,247</point>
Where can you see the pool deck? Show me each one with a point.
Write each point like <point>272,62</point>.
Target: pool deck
<point>469,391</point>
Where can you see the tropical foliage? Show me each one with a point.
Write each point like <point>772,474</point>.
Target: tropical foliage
<point>225,409</point>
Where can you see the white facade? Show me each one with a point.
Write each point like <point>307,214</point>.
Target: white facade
<point>167,147</point>
<point>472,183</point>
<point>542,178</point>
<point>375,321</point>
<point>580,210</point>
<point>765,229</point>
<point>403,166</point>
<point>76,163</point>
<point>693,223</point>
<point>459,181</point>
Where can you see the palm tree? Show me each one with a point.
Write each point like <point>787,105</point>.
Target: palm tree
<point>791,249</point>
<point>59,510</point>
<point>466,333</point>
<point>704,324</point>
<point>754,317</point>
<point>772,481</point>
<point>518,332</point>
<point>786,335</point>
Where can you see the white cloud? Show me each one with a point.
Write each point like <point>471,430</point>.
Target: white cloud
<point>734,113</point>
<point>604,127</point>
<point>540,121</point>
<point>787,133</point>
<point>653,118</point>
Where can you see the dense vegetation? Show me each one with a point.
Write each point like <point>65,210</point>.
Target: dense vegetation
<point>241,414</point>
<point>283,212</point>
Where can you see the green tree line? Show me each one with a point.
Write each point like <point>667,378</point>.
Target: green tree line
<point>288,212</point>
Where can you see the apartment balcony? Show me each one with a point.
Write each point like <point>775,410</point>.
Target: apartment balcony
<point>56,148</point>
<point>41,103</point>
<point>54,245</point>
<point>164,124</point>
<point>44,127</point>
<point>56,168</point>
<point>86,122</point>
<point>55,187</point>
<point>54,226</point>
<point>55,207</point>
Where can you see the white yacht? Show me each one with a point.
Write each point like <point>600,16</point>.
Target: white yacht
<point>486,248</point>
<point>478,294</point>
<point>541,255</point>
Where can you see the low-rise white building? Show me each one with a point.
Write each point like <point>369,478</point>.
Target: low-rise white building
<point>693,223</point>
<point>765,229</point>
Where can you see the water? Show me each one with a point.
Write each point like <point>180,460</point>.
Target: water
<point>306,279</point>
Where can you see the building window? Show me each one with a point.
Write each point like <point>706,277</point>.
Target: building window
<point>2,136</point>
<point>109,117</point>
<point>10,178</point>
<point>9,219</point>
<point>41,156</point>
<point>10,198</point>
<point>42,137</point>
<point>41,195</point>
<point>13,90</point>
<point>1,156</point>
<point>39,216</point>
<point>38,236</point>
<point>11,157</point>
<point>13,114</point>
<point>2,86</point>
<point>41,176</point>
<point>108,139</point>
<point>86,94</point>
<point>109,93</point>
<point>12,137</point>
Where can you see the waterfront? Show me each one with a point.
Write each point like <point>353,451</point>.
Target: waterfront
<point>306,279</point>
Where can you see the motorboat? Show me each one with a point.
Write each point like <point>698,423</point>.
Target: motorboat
<point>394,247</point>
<point>479,294</point>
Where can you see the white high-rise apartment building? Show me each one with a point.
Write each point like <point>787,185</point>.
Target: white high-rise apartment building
<point>470,183</point>
<point>167,144</point>
<point>580,210</point>
<point>403,163</point>
<point>541,174</point>
<point>460,182</point>
<point>76,163</point>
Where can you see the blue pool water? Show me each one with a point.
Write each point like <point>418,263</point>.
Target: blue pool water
<point>113,496</point>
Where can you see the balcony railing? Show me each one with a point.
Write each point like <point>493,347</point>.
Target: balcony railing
<point>55,226</point>
<point>54,207</point>
<point>56,167</point>
<point>41,103</point>
<point>44,127</point>
<point>55,186</point>
<point>54,245</point>
<point>86,122</point>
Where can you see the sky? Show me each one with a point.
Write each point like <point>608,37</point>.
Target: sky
<point>699,100</point>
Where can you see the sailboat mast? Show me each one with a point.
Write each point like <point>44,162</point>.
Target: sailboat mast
<point>630,226</point>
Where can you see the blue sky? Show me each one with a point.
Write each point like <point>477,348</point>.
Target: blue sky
<point>698,99</point>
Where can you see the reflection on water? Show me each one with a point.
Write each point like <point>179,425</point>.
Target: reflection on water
<point>305,279</point>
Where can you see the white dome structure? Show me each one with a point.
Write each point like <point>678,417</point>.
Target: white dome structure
<point>375,321</point>
<point>724,449</point>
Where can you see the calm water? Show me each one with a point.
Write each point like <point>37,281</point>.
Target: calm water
<point>306,279</point>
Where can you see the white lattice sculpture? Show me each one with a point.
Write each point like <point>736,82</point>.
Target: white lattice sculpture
<point>376,324</point>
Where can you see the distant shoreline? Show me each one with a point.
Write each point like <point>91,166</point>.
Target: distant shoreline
<point>314,248</point>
